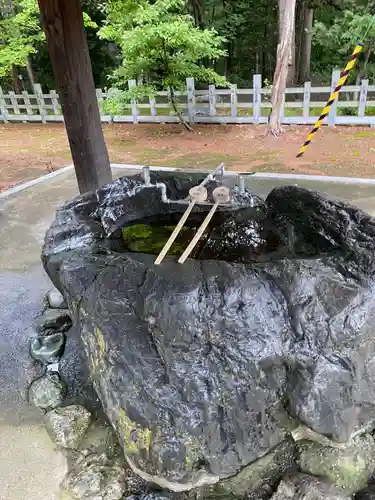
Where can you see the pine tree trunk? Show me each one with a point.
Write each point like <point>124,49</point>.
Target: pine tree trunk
<point>307,42</point>
<point>287,10</point>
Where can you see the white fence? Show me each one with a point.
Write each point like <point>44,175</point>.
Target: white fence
<point>215,105</point>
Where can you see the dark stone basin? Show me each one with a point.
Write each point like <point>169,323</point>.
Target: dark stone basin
<point>206,367</point>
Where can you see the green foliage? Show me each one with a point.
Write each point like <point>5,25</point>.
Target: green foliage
<point>343,31</point>
<point>19,35</point>
<point>160,46</point>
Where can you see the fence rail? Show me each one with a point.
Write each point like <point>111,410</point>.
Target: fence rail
<point>302,105</point>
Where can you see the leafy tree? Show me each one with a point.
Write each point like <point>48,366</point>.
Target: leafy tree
<point>21,35</point>
<point>160,47</point>
<point>20,32</point>
<point>345,29</point>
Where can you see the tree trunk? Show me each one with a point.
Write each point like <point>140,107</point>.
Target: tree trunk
<point>30,71</point>
<point>307,42</point>
<point>178,112</point>
<point>287,10</point>
<point>300,24</point>
<point>16,81</point>
<point>67,44</point>
<point>291,79</point>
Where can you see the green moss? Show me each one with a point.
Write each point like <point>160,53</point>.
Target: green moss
<point>142,238</point>
<point>135,437</point>
<point>349,468</point>
<point>363,133</point>
<point>100,341</point>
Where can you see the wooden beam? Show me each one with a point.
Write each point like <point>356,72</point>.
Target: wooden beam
<point>67,44</point>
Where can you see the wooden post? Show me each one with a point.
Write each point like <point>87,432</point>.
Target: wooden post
<point>3,109</point>
<point>26,100</point>
<point>190,86</point>
<point>67,44</point>
<point>135,113</point>
<point>152,106</point>
<point>363,98</point>
<point>257,97</point>
<point>306,100</point>
<point>233,100</point>
<point>39,99</point>
<point>333,113</point>
<point>54,101</point>
<point>212,99</point>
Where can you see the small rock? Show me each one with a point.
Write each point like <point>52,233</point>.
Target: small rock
<point>257,479</point>
<point>47,392</point>
<point>94,477</point>
<point>49,348</point>
<point>55,319</point>
<point>66,426</point>
<point>348,469</point>
<point>302,487</point>
<point>56,300</point>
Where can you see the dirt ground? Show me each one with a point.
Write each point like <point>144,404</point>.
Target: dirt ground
<point>30,150</point>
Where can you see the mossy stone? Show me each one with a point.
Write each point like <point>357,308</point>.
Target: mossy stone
<point>348,469</point>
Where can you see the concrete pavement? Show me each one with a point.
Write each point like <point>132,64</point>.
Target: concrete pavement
<point>29,466</point>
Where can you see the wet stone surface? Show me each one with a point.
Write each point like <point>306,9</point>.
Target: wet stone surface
<point>48,348</point>
<point>47,392</point>
<point>54,319</point>
<point>205,369</point>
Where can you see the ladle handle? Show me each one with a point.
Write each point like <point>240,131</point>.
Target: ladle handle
<point>198,234</point>
<point>175,233</point>
<point>198,194</point>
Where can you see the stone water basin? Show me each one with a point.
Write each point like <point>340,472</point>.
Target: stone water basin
<point>208,367</point>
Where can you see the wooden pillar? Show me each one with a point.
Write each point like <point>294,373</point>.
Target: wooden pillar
<point>67,44</point>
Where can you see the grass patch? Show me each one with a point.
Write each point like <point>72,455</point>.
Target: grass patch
<point>363,134</point>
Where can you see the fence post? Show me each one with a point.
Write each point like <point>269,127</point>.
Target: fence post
<point>133,83</point>
<point>40,101</point>
<point>3,109</point>
<point>152,106</point>
<point>190,86</point>
<point>100,98</point>
<point>333,113</point>
<point>306,100</point>
<point>54,101</point>
<point>363,98</point>
<point>233,100</point>
<point>257,97</point>
<point>26,100</point>
<point>212,99</point>
<point>13,99</point>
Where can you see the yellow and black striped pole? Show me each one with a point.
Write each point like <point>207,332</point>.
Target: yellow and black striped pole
<point>333,97</point>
